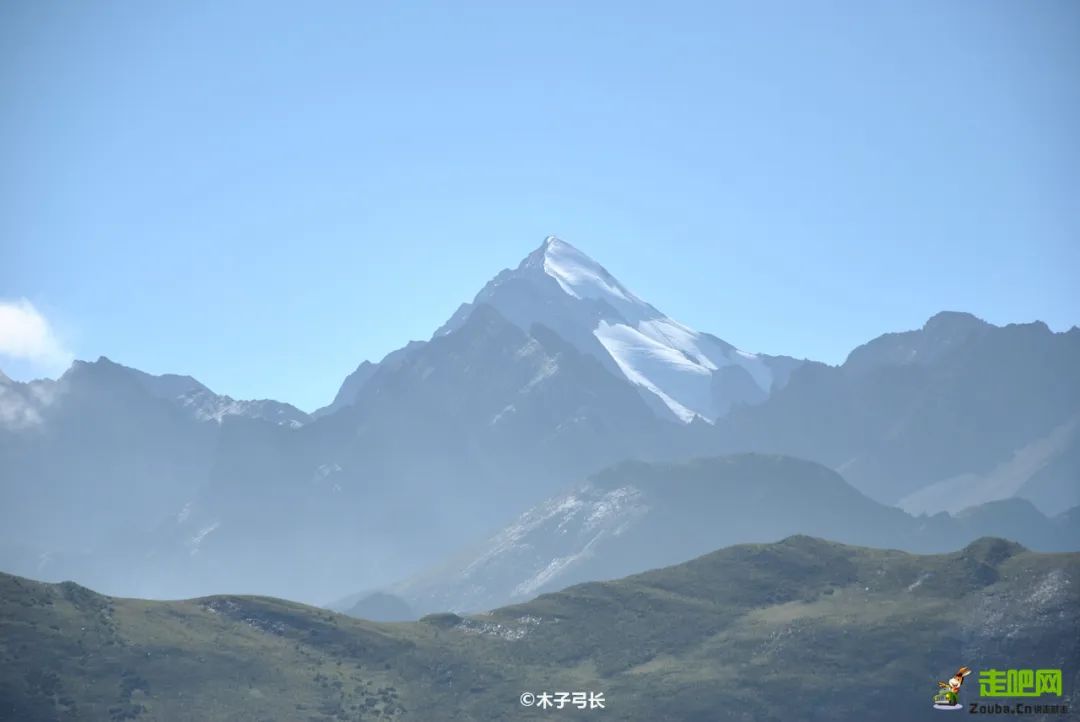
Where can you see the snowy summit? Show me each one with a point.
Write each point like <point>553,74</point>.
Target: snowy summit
<point>682,372</point>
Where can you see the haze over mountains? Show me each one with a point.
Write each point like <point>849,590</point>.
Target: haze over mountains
<point>957,413</point>
<point>637,516</point>
<point>155,486</point>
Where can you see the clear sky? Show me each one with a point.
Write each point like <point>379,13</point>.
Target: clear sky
<point>264,194</point>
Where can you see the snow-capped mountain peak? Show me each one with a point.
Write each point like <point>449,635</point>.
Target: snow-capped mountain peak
<point>580,276</point>
<point>681,372</point>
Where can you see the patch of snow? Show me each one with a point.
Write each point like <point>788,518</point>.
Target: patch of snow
<point>918,582</point>
<point>544,547</point>
<point>659,354</point>
<point>546,370</point>
<point>1049,589</point>
<point>205,405</point>
<point>582,277</point>
<point>531,348</point>
<point>593,521</point>
<point>677,381</point>
<point>509,537</point>
<point>555,567</point>
<point>510,632</point>
<point>612,506</point>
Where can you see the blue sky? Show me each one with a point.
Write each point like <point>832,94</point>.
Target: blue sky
<point>264,194</point>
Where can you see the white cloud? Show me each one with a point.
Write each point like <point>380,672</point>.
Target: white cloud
<point>25,335</point>
<point>15,411</point>
<point>22,406</point>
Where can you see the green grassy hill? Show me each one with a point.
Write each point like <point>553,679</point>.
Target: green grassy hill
<point>802,629</point>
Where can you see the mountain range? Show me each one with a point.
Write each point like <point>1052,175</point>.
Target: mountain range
<point>612,524</point>
<point>155,486</point>
<point>956,413</point>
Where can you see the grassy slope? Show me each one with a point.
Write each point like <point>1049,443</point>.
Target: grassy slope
<point>802,629</point>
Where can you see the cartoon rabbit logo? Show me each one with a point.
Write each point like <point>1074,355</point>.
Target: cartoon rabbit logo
<point>948,696</point>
